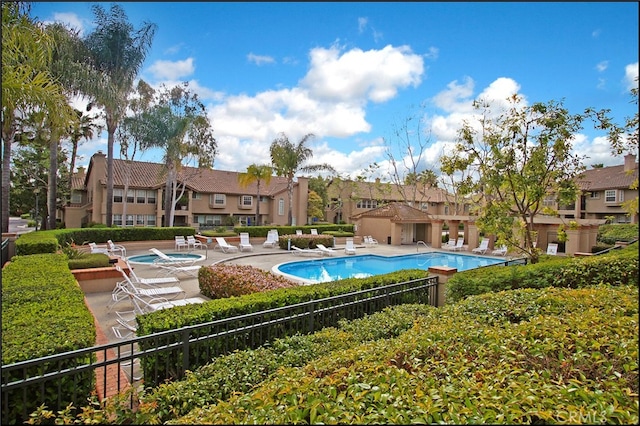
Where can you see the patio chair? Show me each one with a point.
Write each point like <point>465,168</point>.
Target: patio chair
<point>122,289</point>
<point>124,330</point>
<point>552,249</point>
<point>164,259</point>
<point>224,246</point>
<point>500,251</point>
<point>369,241</point>
<point>193,243</point>
<point>483,247</point>
<point>167,269</point>
<point>451,243</point>
<point>181,242</point>
<point>114,249</point>
<point>272,239</point>
<point>326,251</point>
<point>245,244</point>
<point>457,246</point>
<point>350,248</point>
<point>98,249</point>
<point>306,252</point>
<point>149,281</point>
<point>314,231</point>
<point>142,305</point>
<point>298,231</point>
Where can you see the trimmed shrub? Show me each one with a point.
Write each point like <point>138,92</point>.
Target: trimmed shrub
<point>228,280</point>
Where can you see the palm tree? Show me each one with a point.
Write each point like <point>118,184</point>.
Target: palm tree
<point>256,173</point>
<point>83,128</point>
<point>116,54</point>
<point>27,83</point>
<point>288,159</point>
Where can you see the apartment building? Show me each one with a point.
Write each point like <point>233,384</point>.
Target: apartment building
<point>212,197</point>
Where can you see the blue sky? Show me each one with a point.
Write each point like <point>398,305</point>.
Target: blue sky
<point>352,72</point>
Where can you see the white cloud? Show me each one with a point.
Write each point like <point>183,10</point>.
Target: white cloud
<point>362,24</point>
<point>433,53</point>
<point>631,76</point>
<point>596,33</point>
<point>602,66</point>
<point>260,59</point>
<point>172,70</point>
<point>70,20</point>
<point>358,76</point>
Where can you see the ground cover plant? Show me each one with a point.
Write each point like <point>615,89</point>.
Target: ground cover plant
<point>228,280</point>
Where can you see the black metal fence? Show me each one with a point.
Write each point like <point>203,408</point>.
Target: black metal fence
<point>5,251</point>
<point>168,354</point>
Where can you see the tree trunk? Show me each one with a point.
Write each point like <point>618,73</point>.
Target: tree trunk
<point>7,139</point>
<point>52,190</point>
<point>111,129</point>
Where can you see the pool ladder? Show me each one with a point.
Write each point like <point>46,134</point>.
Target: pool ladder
<point>418,245</point>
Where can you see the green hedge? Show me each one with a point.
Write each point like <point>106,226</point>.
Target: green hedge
<point>618,267</point>
<point>43,313</point>
<point>48,241</point>
<point>182,316</point>
<point>609,234</point>
<point>92,260</point>
<point>261,231</point>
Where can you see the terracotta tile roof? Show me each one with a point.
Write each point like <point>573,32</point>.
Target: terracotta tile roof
<point>153,175</point>
<point>390,192</point>
<point>613,177</point>
<point>397,212</point>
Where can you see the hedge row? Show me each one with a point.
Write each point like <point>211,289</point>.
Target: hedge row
<point>571,358</point>
<point>618,267</point>
<point>43,313</point>
<point>261,231</point>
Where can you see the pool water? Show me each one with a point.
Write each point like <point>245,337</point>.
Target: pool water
<point>362,266</point>
<point>147,259</point>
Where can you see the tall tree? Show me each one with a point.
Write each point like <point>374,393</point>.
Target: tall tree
<point>518,156</point>
<point>289,159</point>
<point>116,54</point>
<point>82,128</point>
<point>256,173</point>
<point>27,83</point>
<point>177,122</point>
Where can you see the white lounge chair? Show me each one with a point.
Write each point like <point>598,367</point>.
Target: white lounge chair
<point>114,249</point>
<point>306,252</point>
<point>500,251</point>
<point>350,248</point>
<point>123,288</point>
<point>326,251</point>
<point>193,243</point>
<point>181,242</point>
<point>483,247</point>
<point>224,246</point>
<point>142,305</point>
<point>149,281</point>
<point>314,231</point>
<point>98,249</point>
<point>164,259</point>
<point>552,249</point>
<point>369,241</point>
<point>451,243</point>
<point>298,231</point>
<point>167,269</point>
<point>245,244</point>
<point>457,246</point>
<point>272,239</point>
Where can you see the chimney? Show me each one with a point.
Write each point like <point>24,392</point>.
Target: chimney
<point>630,162</point>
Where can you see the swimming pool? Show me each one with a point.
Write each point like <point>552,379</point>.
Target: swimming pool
<point>146,259</point>
<point>362,266</point>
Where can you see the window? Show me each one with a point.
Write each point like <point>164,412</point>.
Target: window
<point>610,196</point>
<point>218,199</point>
<point>549,201</point>
<point>131,195</point>
<point>139,220</point>
<point>446,209</point>
<point>151,220</point>
<point>76,197</point>
<point>117,197</point>
<point>196,195</point>
<point>281,207</point>
<point>207,220</point>
<point>246,201</point>
<point>151,197</point>
<point>141,196</point>
<point>117,218</point>
<point>129,220</point>
<point>594,195</point>
<point>367,204</point>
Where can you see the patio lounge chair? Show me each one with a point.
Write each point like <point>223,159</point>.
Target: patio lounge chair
<point>245,244</point>
<point>192,243</point>
<point>314,231</point>
<point>122,289</point>
<point>181,242</point>
<point>326,251</point>
<point>149,281</point>
<point>457,246</point>
<point>98,249</point>
<point>500,251</point>
<point>224,246</point>
<point>142,305</point>
<point>168,260</point>
<point>552,249</point>
<point>306,252</point>
<point>369,241</point>
<point>272,239</point>
<point>451,243</point>
<point>173,269</point>
<point>483,247</point>
<point>114,249</point>
<point>350,248</point>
